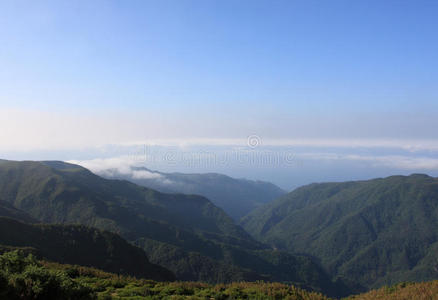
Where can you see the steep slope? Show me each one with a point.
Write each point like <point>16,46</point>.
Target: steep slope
<point>236,197</point>
<point>77,244</point>
<point>239,264</point>
<point>59,281</point>
<point>55,192</point>
<point>62,281</point>
<point>7,210</point>
<point>186,233</point>
<point>370,233</point>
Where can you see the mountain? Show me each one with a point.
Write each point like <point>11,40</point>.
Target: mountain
<point>25,277</point>
<point>237,197</point>
<point>8,210</point>
<point>369,233</point>
<point>81,245</point>
<point>56,192</point>
<point>185,233</point>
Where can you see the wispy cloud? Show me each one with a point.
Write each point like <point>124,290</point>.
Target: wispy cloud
<point>116,166</point>
<point>392,161</point>
<point>107,166</point>
<point>399,162</point>
<point>55,130</point>
<point>143,174</point>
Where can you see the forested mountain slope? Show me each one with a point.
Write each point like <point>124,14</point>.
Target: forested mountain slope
<point>236,197</point>
<point>185,233</point>
<point>369,233</point>
<point>80,245</point>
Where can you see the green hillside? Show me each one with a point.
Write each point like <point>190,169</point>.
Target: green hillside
<point>23,277</point>
<point>8,210</point>
<point>369,233</point>
<point>77,244</point>
<point>185,233</point>
<point>55,192</point>
<point>236,197</point>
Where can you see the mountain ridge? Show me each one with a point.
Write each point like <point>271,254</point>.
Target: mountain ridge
<point>372,232</point>
<point>81,245</point>
<point>201,241</point>
<point>236,196</point>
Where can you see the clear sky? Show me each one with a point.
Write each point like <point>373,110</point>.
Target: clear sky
<point>83,74</point>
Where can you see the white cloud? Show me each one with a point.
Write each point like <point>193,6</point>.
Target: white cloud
<point>143,174</point>
<point>401,162</point>
<point>116,166</point>
<point>107,166</point>
<point>29,130</point>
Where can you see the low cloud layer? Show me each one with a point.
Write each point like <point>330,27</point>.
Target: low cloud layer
<point>143,174</point>
<point>393,161</point>
<point>286,165</point>
<point>123,165</point>
<point>34,130</point>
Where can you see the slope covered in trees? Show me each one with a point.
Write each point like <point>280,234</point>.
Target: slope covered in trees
<point>8,210</point>
<point>23,277</point>
<point>185,233</point>
<point>236,197</point>
<point>370,233</point>
<point>77,244</point>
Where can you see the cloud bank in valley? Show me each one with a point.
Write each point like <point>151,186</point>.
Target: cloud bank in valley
<point>108,167</point>
<point>319,163</point>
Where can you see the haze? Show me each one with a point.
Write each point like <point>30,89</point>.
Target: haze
<point>305,90</point>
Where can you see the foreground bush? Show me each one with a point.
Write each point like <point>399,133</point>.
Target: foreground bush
<point>23,277</point>
<point>402,291</point>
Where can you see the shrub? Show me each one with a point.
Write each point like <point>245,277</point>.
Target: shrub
<point>22,277</point>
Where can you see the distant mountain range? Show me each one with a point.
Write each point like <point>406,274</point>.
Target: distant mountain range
<point>369,233</point>
<point>237,197</point>
<point>337,238</point>
<point>186,234</point>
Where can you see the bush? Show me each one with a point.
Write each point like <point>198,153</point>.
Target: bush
<point>22,277</point>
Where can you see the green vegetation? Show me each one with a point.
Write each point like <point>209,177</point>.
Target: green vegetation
<point>23,277</point>
<point>369,233</point>
<point>237,197</point>
<point>77,244</point>
<point>402,291</point>
<point>7,210</point>
<point>187,234</point>
<point>365,234</point>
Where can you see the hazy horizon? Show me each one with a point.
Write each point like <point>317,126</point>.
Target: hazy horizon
<point>290,92</point>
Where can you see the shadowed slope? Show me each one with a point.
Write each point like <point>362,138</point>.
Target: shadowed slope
<point>371,232</point>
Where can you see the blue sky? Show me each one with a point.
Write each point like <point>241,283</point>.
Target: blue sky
<point>335,55</point>
<point>209,72</point>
